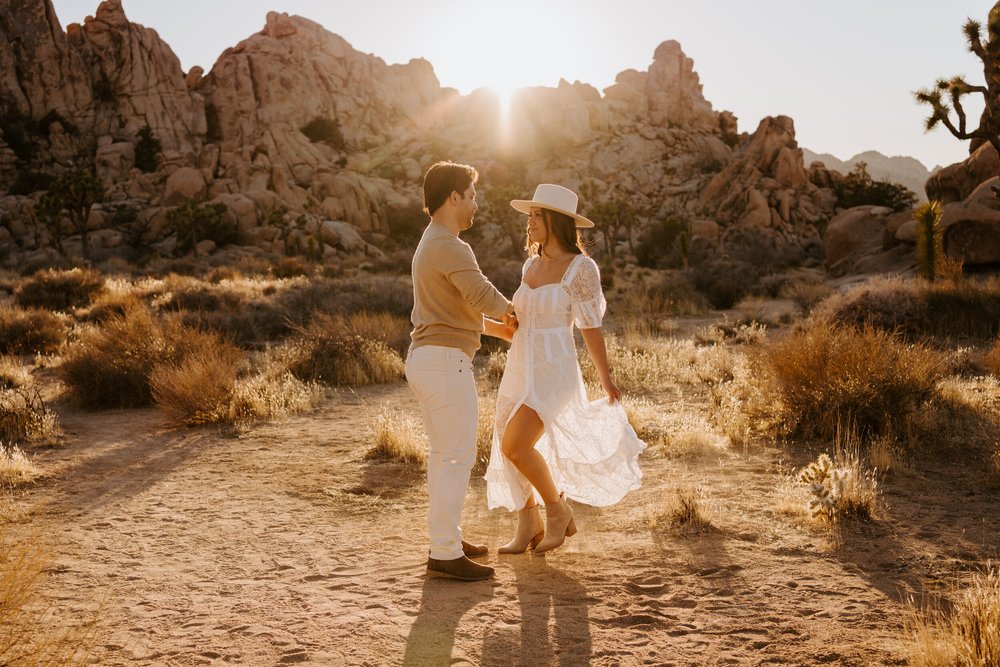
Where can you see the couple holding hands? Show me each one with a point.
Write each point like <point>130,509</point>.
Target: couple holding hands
<point>550,442</point>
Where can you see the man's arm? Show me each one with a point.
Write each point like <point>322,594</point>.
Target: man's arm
<point>463,272</point>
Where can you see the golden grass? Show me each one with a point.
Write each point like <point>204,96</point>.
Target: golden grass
<point>13,373</point>
<point>492,369</point>
<point>671,434</point>
<point>967,636</point>
<point>16,469</point>
<point>330,350</point>
<point>807,293</point>
<point>267,395</point>
<point>683,509</point>
<point>26,638</point>
<point>398,436</point>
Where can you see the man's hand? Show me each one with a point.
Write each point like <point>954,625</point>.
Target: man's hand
<point>510,321</point>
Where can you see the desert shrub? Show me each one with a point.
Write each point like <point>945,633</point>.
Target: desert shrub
<point>330,351</point>
<point>967,635</point>
<point>724,282</point>
<point>110,365</point>
<point>917,308</point>
<point>646,303</point>
<point>406,224</point>
<point>664,244</point>
<point>195,223</point>
<point>13,374</point>
<point>108,304</point>
<point>386,294</point>
<point>291,267</point>
<point>827,377</point>
<point>24,417</point>
<point>60,290</point>
<point>398,436</point>
<point>16,469</point>
<point>146,149</point>
<point>325,130</point>
<point>30,331</point>
<point>197,388</point>
<point>858,188</point>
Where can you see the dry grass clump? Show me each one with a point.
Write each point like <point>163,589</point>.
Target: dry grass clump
<point>748,333</point>
<point>13,373</point>
<point>825,376</point>
<point>670,434</point>
<point>16,469</point>
<point>110,365</point>
<point>270,391</point>
<point>30,331</point>
<point>684,509</point>
<point>26,637</point>
<point>197,388</point>
<point>109,303</point>
<point>398,436</point>
<point>330,350</point>
<point>492,370</point>
<point>968,635</point>
<point>59,290</point>
<point>24,416</point>
<point>919,308</point>
<point>649,301</point>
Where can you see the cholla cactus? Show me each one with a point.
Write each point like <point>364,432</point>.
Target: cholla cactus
<point>826,483</point>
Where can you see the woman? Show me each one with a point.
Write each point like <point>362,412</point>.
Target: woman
<point>549,438</point>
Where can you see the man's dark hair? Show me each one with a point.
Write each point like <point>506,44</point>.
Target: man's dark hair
<point>442,179</point>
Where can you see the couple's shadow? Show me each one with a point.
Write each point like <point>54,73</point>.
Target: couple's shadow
<point>517,636</point>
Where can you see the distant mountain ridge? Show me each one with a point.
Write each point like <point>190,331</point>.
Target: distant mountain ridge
<point>901,169</point>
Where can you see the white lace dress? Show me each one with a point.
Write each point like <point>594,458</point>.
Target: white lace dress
<point>589,446</point>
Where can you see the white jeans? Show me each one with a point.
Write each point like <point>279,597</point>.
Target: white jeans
<point>441,377</point>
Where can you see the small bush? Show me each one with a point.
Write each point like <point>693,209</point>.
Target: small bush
<point>16,469</point>
<point>993,358</point>
<point>807,294</point>
<point>146,150</point>
<point>196,223</point>
<point>917,308</point>
<point>724,282</point>
<point>197,388</point>
<point>968,635</point>
<point>330,351</point>
<point>30,331</point>
<point>827,376</point>
<point>60,290</point>
<point>840,492</point>
<point>664,244</point>
<point>24,417</point>
<point>858,188</point>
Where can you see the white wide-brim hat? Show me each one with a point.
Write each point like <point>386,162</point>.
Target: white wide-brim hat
<point>555,198</point>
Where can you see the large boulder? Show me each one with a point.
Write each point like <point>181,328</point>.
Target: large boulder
<point>852,234</point>
<point>972,227</point>
<point>956,182</point>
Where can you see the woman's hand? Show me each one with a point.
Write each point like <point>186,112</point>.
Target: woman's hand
<point>614,394</point>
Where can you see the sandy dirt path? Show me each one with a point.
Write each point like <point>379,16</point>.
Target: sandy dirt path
<point>283,546</point>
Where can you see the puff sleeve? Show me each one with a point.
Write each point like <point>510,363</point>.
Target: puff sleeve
<point>584,288</point>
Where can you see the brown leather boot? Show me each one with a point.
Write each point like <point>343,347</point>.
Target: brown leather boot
<point>474,550</point>
<point>530,530</point>
<point>458,568</point>
<point>559,525</point>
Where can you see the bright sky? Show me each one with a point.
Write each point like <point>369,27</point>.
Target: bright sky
<point>843,69</point>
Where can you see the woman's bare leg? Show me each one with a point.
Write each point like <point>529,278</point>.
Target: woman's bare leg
<point>518,445</point>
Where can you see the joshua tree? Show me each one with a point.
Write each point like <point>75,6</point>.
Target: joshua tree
<point>75,193</point>
<point>954,89</point>
<point>613,217</point>
<point>930,249</point>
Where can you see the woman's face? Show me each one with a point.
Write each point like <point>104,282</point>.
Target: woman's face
<point>537,232</point>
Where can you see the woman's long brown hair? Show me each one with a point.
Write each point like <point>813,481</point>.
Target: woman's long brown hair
<point>563,229</point>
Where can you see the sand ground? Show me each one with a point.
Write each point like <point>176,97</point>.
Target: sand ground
<point>282,545</point>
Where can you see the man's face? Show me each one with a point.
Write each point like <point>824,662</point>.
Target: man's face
<point>467,207</point>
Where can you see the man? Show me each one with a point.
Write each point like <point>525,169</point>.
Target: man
<point>450,297</point>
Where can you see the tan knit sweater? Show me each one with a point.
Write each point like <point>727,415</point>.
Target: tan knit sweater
<point>450,293</point>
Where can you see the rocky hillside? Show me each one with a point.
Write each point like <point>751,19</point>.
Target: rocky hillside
<point>296,143</point>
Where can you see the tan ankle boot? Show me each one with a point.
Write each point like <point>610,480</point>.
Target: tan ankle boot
<point>559,525</point>
<point>530,530</point>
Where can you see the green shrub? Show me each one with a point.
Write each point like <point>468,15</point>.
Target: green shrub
<point>664,244</point>
<point>146,150</point>
<point>195,223</point>
<point>859,189</point>
<point>60,290</point>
